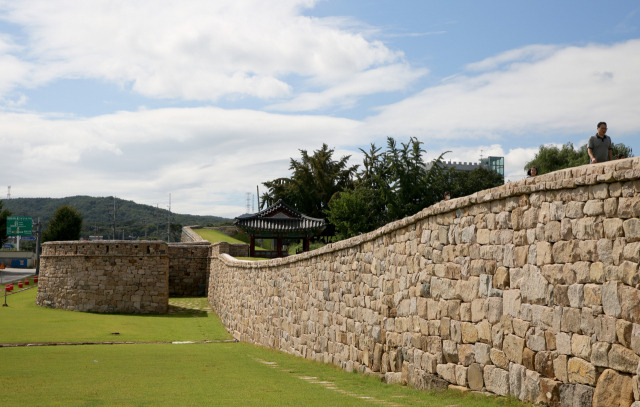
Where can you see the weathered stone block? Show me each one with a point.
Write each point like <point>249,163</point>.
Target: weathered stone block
<point>496,380</point>
<point>581,346</point>
<point>623,359</point>
<point>624,330</point>
<point>450,351</point>
<point>576,395</point>
<point>447,372</point>
<point>534,287</point>
<point>513,346</point>
<point>613,389</point>
<point>581,371</point>
<point>560,368</point>
<point>611,299</point>
<point>466,354</point>
<point>499,358</point>
<point>592,295</point>
<point>511,303</point>
<point>600,354</point>
<point>475,377</point>
<point>549,392</point>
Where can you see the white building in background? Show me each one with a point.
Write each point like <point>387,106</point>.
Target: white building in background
<point>492,163</point>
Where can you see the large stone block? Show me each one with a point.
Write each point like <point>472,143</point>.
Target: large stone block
<point>611,299</point>
<point>581,346</point>
<point>499,358</point>
<point>581,371</point>
<point>496,380</point>
<point>600,354</point>
<point>511,303</point>
<point>613,389</point>
<point>534,287</point>
<point>513,347</point>
<point>623,359</point>
<point>475,377</point>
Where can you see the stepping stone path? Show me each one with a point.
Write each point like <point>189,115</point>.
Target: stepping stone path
<point>329,385</point>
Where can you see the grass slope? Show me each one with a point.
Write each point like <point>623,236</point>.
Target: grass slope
<point>215,236</point>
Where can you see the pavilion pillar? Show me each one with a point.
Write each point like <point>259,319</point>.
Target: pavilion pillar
<point>279,246</point>
<point>305,244</point>
<point>252,246</point>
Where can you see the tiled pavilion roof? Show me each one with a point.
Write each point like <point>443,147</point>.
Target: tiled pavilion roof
<point>279,220</point>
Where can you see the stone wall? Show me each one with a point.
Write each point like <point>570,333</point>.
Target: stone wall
<point>188,235</point>
<point>529,289</point>
<point>188,269</point>
<point>105,276</point>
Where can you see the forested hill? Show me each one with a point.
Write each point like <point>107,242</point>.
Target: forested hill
<point>134,221</point>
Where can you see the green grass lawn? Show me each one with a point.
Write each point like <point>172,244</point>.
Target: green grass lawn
<point>215,236</point>
<point>31,323</point>
<point>197,374</point>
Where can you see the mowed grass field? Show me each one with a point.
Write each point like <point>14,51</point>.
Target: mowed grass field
<point>207,371</point>
<point>216,236</point>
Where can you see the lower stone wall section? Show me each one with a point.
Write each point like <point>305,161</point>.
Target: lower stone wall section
<point>105,276</point>
<point>188,269</point>
<point>188,235</point>
<point>531,289</point>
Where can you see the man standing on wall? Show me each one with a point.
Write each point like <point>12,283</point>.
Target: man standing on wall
<point>600,148</point>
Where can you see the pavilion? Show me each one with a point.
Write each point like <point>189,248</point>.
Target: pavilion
<point>278,222</point>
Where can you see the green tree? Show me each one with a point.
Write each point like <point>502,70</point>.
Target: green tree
<point>315,179</point>
<point>66,224</point>
<point>355,212</point>
<point>463,183</point>
<point>3,224</point>
<point>393,184</point>
<point>412,184</point>
<point>552,158</point>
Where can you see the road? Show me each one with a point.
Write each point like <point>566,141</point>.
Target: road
<point>12,274</point>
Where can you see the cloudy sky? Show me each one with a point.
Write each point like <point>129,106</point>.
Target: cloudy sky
<point>205,100</point>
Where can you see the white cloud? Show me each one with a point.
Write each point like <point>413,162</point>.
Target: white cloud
<point>197,50</point>
<point>568,91</point>
<point>384,79</point>
<point>531,53</point>
<point>202,154</point>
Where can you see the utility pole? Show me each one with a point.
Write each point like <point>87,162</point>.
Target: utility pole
<point>38,241</point>
<point>114,217</point>
<point>258,197</point>
<point>169,221</point>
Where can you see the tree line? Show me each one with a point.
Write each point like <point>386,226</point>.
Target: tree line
<point>389,185</point>
<point>553,158</point>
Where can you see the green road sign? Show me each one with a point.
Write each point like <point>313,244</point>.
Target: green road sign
<point>19,226</point>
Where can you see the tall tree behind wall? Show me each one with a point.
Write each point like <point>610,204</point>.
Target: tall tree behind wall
<point>3,224</point>
<point>315,179</point>
<point>66,224</point>
<point>393,184</point>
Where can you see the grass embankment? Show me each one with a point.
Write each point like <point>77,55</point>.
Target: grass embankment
<point>215,236</point>
<point>211,374</point>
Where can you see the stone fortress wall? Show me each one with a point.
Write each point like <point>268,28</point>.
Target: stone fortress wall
<point>530,289</point>
<point>188,269</point>
<point>120,276</point>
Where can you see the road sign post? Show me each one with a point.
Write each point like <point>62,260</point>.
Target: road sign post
<point>19,226</point>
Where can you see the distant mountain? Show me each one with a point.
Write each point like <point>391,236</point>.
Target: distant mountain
<point>134,221</point>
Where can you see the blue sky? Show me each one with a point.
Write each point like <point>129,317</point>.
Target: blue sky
<point>205,100</point>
